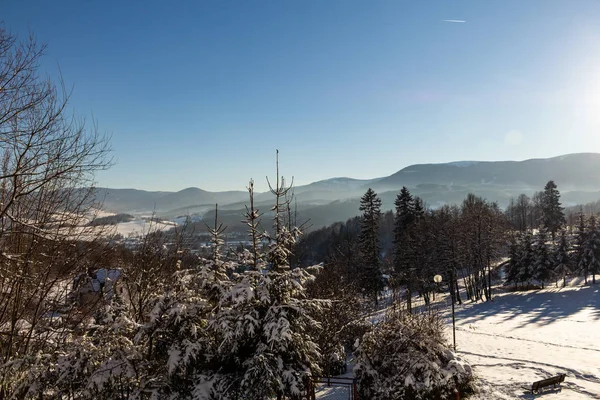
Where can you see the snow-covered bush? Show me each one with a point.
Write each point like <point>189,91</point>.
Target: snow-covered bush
<point>406,357</point>
<point>213,334</point>
<point>97,360</point>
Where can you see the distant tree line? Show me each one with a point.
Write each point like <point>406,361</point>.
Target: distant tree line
<point>404,249</point>
<point>536,257</point>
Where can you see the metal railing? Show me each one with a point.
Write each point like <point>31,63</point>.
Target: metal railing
<point>333,388</point>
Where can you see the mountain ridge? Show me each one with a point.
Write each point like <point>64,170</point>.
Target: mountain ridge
<point>577,176</point>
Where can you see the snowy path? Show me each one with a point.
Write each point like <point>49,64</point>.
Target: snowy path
<point>523,337</point>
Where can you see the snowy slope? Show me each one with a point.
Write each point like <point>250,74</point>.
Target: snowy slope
<point>523,337</point>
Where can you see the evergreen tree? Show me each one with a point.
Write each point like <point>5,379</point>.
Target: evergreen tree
<point>553,216</point>
<point>580,240</point>
<point>591,249</point>
<point>370,205</point>
<point>542,262</point>
<point>280,247</point>
<point>419,208</point>
<point>405,210</point>
<point>526,258</point>
<point>408,211</point>
<point>513,266</point>
<point>405,213</point>
<point>562,258</point>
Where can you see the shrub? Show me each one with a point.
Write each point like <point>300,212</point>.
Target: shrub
<point>406,357</point>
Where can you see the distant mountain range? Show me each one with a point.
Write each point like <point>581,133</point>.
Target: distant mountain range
<point>336,199</point>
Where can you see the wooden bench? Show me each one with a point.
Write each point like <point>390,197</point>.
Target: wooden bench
<point>555,380</point>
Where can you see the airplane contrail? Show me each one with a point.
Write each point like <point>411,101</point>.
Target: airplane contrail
<point>455,21</point>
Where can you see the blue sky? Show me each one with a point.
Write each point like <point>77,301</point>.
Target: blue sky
<point>201,93</point>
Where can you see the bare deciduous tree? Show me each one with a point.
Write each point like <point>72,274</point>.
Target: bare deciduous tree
<point>47,165</point>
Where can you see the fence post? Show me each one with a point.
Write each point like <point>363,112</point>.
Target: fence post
<point>311,390</point>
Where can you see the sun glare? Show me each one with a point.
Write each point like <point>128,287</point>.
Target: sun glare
<point>590,108</point>
<point>584,85</point>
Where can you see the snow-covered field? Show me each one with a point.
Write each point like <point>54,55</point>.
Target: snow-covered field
<point>140,226</point>
<point>523,337</point>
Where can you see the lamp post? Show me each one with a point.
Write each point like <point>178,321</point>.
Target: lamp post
<point>438,279</point>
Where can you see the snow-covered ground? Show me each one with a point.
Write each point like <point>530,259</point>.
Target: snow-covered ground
<point>523,337</point>
<point>140,226</point>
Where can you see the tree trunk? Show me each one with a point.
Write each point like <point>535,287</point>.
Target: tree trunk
<point>489,278</point>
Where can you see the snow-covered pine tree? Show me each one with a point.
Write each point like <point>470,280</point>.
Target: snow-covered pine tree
<point>592,248</point>
<point>542,262</point>
<point>252,220</point>
<point>513,266</point>
<point>562,259</point>
<point>280,246</point>
<point>262,345</point>
<point>526,258</point>
<point>370,205</point>
<point>261,327</point>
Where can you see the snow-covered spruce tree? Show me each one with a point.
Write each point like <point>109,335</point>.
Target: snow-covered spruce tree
<point>526,258</point>
<point>592,249</point>
<point>280,246</point>
<point>252,220</point>
<point>580,257</point>
<point>261,327</point>
<point>406,357</point>
<point>562,259</point>
<point>261,331</point>
<point>227,335</point>
<point>176,338</point>
<point>512,267</point>
<point>542,262</point>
